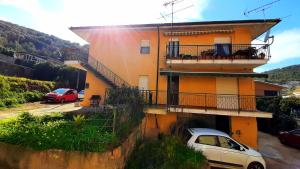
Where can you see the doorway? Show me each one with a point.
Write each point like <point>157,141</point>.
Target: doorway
<point>173,90</point>
<point>223,124</point>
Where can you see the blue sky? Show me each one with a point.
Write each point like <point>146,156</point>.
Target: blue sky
<point>56,16</point>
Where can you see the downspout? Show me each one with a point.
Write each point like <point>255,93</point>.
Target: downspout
<point>157,62</point>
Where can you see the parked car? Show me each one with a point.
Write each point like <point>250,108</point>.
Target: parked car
<point>81,94</point>
<point>291,138</point>
<point>222,151</point>
<point>61,95</point>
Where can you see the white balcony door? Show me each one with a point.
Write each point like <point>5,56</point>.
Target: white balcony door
<point>143,83</point>
<point>227,91</point>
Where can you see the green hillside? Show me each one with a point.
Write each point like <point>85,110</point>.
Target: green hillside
<point>18,38</point>
<point>286,74</point>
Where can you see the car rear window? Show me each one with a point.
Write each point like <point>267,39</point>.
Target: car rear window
<point>60,91</point>
<point>207,140</point>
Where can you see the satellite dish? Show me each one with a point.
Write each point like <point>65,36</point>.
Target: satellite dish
<point>267,36</point>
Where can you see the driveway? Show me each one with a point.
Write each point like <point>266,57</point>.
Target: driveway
<point>277,155</point>
<point>38,109</point>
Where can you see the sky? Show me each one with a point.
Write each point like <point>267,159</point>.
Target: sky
<point>56,16</point>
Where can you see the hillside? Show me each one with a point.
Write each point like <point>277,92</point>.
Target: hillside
<point>38,43</point>
<point>283,75</point>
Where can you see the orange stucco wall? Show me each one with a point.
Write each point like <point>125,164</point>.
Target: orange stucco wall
<point>96,87</point>
<point>156,124</point>
<point>244,130</point>
<point>260,88</point>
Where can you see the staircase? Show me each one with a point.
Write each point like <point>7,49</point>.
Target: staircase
<point>101,71</point>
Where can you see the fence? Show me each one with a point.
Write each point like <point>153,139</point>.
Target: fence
<point>218,51</point>
<point>199,100</point>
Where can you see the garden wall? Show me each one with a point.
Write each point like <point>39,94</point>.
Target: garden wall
<point>17,157</point>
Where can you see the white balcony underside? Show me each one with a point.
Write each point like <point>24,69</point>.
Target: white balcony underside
<point>163,110</point>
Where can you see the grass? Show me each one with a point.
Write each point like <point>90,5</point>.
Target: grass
<point>166,153</point>
<point>57,132</point>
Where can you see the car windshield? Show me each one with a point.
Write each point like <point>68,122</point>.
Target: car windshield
<point>60,91</point>
<point>81,92</point>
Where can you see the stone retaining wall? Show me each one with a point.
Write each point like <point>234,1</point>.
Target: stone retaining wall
<point>17,157</point>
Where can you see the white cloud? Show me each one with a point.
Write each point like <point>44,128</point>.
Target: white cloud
<point>286,45</point>
<point>103,12</point>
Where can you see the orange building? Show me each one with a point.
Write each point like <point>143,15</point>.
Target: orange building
<point>267,89</point>
<point>196,69</point>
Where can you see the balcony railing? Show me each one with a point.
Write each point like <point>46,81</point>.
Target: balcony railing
<point>200,100</point>
<point>218,51</point>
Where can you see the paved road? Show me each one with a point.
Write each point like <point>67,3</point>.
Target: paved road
<point>278,156</point>
<point>38,109</point>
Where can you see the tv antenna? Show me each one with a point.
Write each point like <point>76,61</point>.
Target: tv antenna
<point>262,8</point>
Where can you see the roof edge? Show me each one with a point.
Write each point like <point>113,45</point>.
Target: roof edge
<point>177,24</point>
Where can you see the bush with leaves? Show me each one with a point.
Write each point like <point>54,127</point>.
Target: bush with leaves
<point>167,153</point>
<point>15,91</point>
<point>282,108</point>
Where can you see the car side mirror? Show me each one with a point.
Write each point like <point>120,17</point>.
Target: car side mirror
<point>242,148</point>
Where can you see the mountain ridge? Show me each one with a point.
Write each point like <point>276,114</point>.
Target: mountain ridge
<point>22,39</point>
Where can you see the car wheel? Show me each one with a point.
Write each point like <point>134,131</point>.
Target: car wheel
<point>282,140</point>
<point>255,165</point>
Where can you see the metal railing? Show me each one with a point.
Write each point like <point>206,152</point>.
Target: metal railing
<point>218,51</point>
<point>200,100</point>
<point>102,69</point>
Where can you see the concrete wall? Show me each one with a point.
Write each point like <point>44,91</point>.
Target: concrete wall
<point>17,157</point>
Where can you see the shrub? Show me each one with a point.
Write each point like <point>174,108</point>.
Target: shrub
<point>56,132</point>
<point>10,102</point>
<point>281,108</point>
<point>2,104</point>
<point>33,96</point>
<point>167,153</point>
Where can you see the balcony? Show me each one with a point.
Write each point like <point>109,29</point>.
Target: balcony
<point>250,55</point>
<point>202,103</point>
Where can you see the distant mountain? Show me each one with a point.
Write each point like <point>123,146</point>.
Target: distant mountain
<point>18,38</point>
<point>284,75</point>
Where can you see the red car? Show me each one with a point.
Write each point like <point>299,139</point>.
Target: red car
<point>291,138</point>
<point>61,95</point>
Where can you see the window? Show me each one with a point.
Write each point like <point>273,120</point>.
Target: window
<point>143,83</point>
<point>145,47</point>
<point>270,93</point>
<point>228,143</point>
<point>207,140</point>
<point>295,132</point>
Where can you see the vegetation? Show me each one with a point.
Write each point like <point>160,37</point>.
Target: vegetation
<point>57,131</point>
<point>166,153</point>
<point>15,91</point>
<point>64,76</point>
<point>17,38</point>
<point>289,73</point>
<point>284,112</point>
<point>128,106</point>
<point>94,130</point>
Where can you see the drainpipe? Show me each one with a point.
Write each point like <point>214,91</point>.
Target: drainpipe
<point>238,86</point>
<point>157,62</point>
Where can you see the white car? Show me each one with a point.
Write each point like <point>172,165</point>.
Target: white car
<point>223,151</point>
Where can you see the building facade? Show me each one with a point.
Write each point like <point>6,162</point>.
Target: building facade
<point>198,70</point>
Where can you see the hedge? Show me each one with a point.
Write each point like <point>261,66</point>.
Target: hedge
<point>14,90</point>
